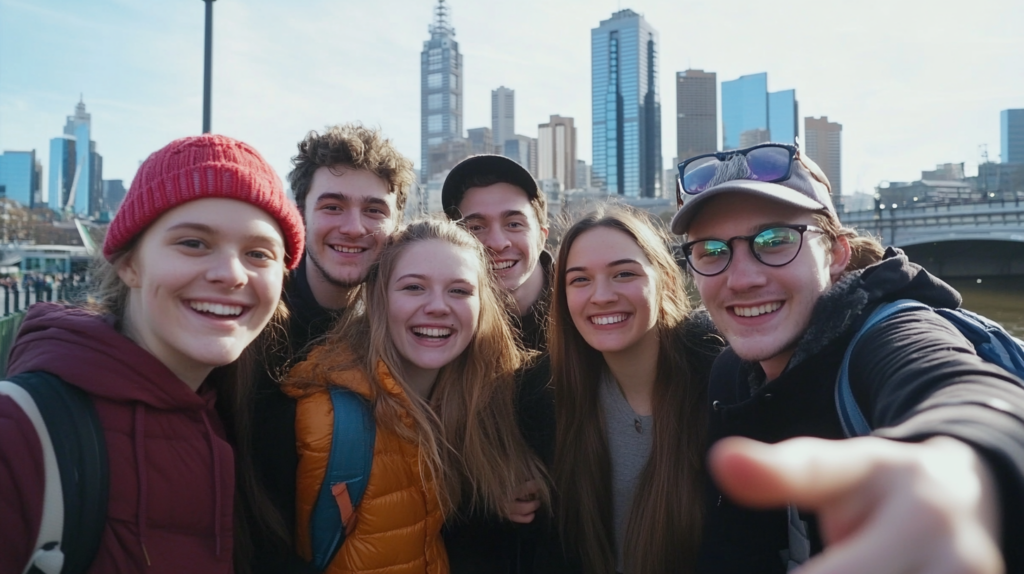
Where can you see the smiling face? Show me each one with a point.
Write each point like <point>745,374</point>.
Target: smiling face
<point>204,280</point>
<point>763,311</point>
<point>611,291</point>
<point>433,305</point>
<point>349,215</point>
<point>503,219</point>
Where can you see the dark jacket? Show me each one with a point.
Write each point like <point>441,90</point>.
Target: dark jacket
<point>274,456</point>
<point>487,543</point>
<point>172,470</point>
<point>916,362</point>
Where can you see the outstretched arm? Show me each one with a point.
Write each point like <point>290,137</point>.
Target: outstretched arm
<point>883,506</point>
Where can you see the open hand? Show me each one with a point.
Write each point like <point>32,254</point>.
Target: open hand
<point>883,506</point>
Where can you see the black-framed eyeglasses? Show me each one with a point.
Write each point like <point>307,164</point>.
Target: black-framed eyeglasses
<point>769,162</point>
<point>775,247</point>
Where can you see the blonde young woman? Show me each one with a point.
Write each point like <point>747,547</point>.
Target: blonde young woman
<point>194,264</point>
<point>434,356</point>
<point>629,364</point>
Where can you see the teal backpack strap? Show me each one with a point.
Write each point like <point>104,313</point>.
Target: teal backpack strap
<point>348,470</point>
<point>850,415</point>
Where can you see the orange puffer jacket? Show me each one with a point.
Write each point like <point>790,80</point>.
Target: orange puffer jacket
<point>398,523</point>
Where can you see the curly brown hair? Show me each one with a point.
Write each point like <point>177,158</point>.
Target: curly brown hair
<point>355,146</point>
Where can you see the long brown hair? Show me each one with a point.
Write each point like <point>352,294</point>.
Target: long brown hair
<point>233,383</point>
<point>663,530</point>
<point>466,430</point>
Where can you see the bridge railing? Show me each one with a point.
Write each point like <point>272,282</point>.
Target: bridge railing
<point>927,220</point>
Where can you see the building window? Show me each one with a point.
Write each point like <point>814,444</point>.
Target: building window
<point>454,102</point>
<point>434,80</point>
<point>434,101</point>
<point>434,59</point>
<point>435,123</point>
<point>434,141</point>
<point>454,83</point>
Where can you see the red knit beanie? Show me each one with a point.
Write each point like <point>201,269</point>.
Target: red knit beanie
<point>197,168</point>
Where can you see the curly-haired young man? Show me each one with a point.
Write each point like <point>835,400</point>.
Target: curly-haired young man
<point>350,184</point>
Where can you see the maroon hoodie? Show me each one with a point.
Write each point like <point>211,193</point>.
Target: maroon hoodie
<point>171,468</point>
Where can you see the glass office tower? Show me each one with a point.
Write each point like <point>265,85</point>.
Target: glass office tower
<point>1011,132</point>
<point>440,89</point>
<point>19,178</point>
<point>745,111</point>
<point>626,106</point>
<point>783,116</point>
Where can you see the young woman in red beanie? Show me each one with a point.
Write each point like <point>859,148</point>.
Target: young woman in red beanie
<point>193,271</point>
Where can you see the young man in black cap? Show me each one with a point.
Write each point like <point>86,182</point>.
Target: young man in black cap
<point>499,202</point>
<point>939,484</point>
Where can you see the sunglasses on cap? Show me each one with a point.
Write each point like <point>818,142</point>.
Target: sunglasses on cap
<point>769,162</point>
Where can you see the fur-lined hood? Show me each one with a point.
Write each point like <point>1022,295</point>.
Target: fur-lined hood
<point>842,307</point>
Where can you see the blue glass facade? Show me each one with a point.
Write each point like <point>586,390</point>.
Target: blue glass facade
<point>62,171</point>
<point>441,84</point>
<point>626,106</point>
<point>783,116</point>
<point>744,107</point>
<point>1011,136</point>
<point>18,177</point>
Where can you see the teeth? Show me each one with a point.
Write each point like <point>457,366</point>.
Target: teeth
<point>348,249</point>
<point>502,265</point>
<point>608,319</point>
<point>217,309</point>
<point>436,332</point>
<point>759,310</point>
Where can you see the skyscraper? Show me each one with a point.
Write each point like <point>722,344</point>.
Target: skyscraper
<point>76,170</point>
<point>481,140</point>
<point>503,115</point>
<point>824,146</point>
<point>783,116</point>
<point>556,151</point>
<point>696,113</point>
<point>440,89</point>
<point>1011,132</point>
<point>745,110</point>
<point>20,173</point>
<point>626,106</point>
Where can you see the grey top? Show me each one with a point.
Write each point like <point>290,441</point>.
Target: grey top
<point>629,445</point>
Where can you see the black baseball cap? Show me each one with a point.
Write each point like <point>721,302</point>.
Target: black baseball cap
<point>503,169</point>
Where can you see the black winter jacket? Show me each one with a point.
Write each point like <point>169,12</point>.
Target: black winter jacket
<point>273,436</point>
<point>917,377</point>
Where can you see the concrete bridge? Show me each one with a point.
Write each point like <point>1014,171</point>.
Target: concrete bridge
<point>980,239</point>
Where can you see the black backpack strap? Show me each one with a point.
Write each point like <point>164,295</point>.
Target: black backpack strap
<point>81,452</point>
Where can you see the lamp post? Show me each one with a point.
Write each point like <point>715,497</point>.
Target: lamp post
<point>209,66</point>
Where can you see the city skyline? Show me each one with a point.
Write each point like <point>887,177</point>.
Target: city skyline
<point>278,72</point>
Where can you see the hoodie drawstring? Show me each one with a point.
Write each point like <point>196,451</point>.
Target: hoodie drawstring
<point>216,482</point>
<point>140,461</point>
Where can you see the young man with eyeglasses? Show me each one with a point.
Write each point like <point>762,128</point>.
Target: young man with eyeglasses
<point>939,484</point>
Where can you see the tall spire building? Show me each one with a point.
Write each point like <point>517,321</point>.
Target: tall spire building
<point>76,170</point>
<point>626,106</point>
<point>440,89</point>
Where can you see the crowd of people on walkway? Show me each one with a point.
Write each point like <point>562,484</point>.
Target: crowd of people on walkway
<point>315,385</point>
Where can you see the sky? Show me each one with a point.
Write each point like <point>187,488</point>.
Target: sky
<point>914,84</point>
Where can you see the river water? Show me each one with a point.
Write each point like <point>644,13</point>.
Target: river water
<point>998,298</point>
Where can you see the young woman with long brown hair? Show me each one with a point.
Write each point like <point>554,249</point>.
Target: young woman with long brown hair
<point>433,354</point>
<point>629,364</point>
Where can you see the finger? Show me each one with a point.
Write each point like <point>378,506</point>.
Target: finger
<point>807,472</point>
<point>522,518</point>
<point>527,490</point>
<point>524,507</point>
